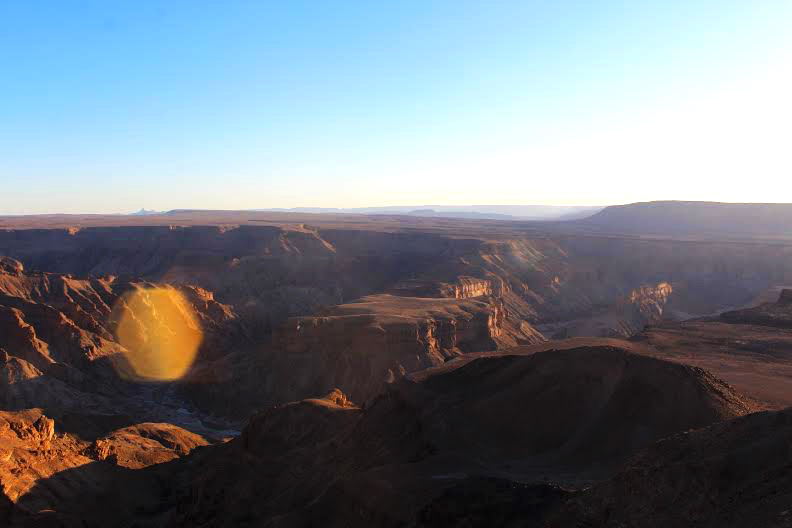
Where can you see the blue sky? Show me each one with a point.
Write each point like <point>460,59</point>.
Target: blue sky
<point>113,106</point>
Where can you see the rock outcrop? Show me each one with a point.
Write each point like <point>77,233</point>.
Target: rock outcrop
<point>43,471</point>
<point>10,266</point>
<point>785,297</point>
<point>463,288</point>
<point>777,314</point>
<point>145,444</point>
<point>361,346</point>
<point>750,348</point>
<point>59,350</point>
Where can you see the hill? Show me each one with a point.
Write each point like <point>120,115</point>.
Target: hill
<point>695,218</point>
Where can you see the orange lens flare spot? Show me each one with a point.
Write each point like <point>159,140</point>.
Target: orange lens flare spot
<point>160,334</point>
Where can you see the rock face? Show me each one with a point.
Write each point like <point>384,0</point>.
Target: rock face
<point>250,284</point>
<point>363,345</point>
<point>145,444</point>
<point>778,314</point>
<point>42,470</point>
<point>358,347</point>
<point>750,348</point>
<point>59,350</point>
<point>268,273</point>
<point>10,266</point>
<point>464,288</point>
<point>641,306</point>
<point>61,334</point>
<point>785,297</point>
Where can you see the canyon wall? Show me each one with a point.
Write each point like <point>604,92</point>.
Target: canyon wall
<point>270,273</point>
<point>336,307</point>
<point>361,346</point>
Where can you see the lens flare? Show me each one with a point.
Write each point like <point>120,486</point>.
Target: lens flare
<point>159,331</point>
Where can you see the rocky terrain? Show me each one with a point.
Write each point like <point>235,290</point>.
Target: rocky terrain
<point>395,461</point>
<point>59,351</point>
<point>734,474</point>
<point>285,369</point>
<point>38,465</point>
<point>750,348</point>
<point>62,350</point>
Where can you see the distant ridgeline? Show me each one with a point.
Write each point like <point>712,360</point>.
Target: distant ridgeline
<point>695,218</point>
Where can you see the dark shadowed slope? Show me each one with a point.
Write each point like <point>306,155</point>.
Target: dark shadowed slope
<point>43,469</point>
<point>498,430</point>
<point>732,474</point>
<point>493,423</point>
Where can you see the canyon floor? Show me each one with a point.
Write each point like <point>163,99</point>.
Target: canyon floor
<point>205,368</point>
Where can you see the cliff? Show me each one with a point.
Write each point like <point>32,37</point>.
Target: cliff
<point>777,314</point>
<point>268,273</point>
<point>463,288</point>
<point>360,346</point>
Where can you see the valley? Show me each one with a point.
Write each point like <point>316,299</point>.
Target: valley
<point>380,369</point>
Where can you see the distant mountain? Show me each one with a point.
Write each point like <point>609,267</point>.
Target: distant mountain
<point>695,218</point>
<point>460,214</point>
<point>493,212</point>
<point>145,212</point>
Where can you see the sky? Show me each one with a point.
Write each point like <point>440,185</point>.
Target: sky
<point>116,106</point>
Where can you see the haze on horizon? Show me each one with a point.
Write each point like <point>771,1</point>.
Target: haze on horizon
<point>262,105</point>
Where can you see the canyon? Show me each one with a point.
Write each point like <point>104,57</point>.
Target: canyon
<point>386,370</point>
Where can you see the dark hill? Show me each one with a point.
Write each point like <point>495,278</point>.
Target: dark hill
<point>731,474</point>
<point>695,218</point>
<point>494,437</point>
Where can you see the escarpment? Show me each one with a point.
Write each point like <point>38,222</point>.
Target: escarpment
<point>360,346</point>
<point>625,317</point>
<point>269,273</point>
<point>777,314</point>
<point>463,288</point>
<point>280,305</point>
